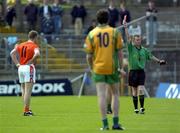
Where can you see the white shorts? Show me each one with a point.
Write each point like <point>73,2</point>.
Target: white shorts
<point>27,73</point>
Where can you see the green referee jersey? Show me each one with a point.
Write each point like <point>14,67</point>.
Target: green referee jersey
<point>137,56</point>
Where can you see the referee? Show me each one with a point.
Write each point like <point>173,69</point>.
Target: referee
<point>138,56</point>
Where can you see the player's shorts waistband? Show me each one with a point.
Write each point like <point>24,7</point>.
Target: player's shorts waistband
<point>27,65</point>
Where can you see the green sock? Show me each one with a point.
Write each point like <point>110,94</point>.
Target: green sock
<point>105,122</point>
<point>115,120</point>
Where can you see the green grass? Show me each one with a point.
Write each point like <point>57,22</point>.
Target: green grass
<point>64,114</point>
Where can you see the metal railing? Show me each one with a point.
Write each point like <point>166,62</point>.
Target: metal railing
<point>67,47</point>
<point>70,47</point>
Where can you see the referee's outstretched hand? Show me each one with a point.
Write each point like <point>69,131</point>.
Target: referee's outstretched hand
<point>162,62</point>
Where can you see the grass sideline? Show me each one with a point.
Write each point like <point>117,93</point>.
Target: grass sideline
<point>69,114</point>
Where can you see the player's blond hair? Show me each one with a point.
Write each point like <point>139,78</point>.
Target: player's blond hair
<point>32,34</point>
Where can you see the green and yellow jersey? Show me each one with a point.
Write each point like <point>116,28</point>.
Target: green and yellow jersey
<point>104,42</point>
<point>138,57</point>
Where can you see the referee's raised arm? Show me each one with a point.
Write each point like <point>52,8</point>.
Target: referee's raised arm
<point>126,29</point>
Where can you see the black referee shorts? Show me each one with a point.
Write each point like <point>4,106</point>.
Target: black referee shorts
<point>136,78</point>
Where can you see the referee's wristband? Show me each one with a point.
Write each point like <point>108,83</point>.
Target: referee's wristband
<point>18,65</point>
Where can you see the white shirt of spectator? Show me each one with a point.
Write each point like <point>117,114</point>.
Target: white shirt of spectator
<point>45,10</point>
<point>134,30</point>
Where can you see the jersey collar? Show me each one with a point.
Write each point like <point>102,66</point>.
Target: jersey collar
<point>102,25</point>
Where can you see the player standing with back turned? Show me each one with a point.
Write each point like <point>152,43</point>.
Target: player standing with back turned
<point>138,56</point>
<point>102,45</point>
<point>28,52</point>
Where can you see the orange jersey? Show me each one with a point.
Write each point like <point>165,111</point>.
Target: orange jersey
<point>26,51</point>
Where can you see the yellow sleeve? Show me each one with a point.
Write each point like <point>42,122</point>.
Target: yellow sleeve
<point>119,41</point>
<point>88,46</point>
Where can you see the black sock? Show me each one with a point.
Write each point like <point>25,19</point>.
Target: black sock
<point>141,100</point>
<point>135,102</point>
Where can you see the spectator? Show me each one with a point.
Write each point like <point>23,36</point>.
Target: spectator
<point>10,14</point>
<point>31,12</point>
<point>45,11</point>
<point>1,11</point>
<point>48,27</point>
<point>114,14</point>
<point>124,12</point>
<point>2,22</point>
<point>104,1</point>
<point>78,14</point>
<point>92,26</point>
<point>57,16</point>
<point>175,2</point>
<point>151,24</point>
<point>135,29</point>
<point>139,1</point>
<point>64,1</point>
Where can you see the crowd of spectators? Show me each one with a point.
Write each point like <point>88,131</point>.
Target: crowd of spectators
<point>47,17</point>
<point>33,13</point>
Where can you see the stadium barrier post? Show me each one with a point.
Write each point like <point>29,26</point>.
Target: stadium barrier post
<point>82,85</point>
<point>146,93</point>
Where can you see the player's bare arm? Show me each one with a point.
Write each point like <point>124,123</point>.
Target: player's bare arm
<point>121,57</point>
<point>36,55</point>
<point>126,29</point>
<point>89,58</point>
<point>14,57</point>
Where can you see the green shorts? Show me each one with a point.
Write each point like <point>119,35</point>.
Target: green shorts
<point>110,79</point>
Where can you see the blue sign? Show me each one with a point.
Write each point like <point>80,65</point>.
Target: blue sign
<point>40,88</point>
<point>167,90</point>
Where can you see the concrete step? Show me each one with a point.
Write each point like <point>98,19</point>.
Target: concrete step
<point>53,55</point>
<point>3,61</point>
<point>68,46</point>
<point>66,66</point>
<point>74,54</point>
<point>56,60</point>
<point>7,29</point>
<point>55,71</point>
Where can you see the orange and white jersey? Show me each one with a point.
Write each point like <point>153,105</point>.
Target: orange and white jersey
<point>26,51</point>
<point>26,71</point>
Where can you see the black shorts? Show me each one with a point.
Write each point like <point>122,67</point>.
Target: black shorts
<point>136,78</point>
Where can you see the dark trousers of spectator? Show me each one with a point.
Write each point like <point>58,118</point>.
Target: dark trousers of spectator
<point>31,25</point>
<point>48,38</point>
<point>57,24</point>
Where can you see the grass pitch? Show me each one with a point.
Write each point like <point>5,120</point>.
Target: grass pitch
<point>65,114</point>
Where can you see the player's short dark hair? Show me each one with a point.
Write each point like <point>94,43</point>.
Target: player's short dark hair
<point>32,34</point>
<point>102,16</point>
